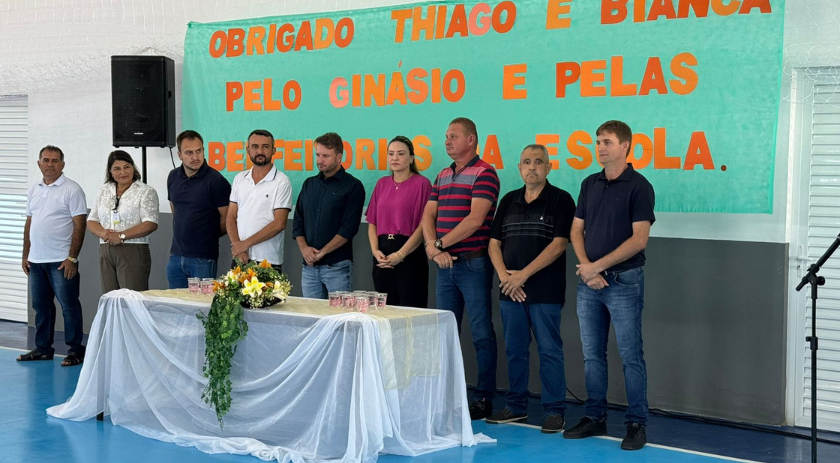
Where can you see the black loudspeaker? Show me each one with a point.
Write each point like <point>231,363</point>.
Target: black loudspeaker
<point>143,100</point>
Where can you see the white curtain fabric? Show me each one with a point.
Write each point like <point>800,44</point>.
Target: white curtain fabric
<point>306,388</point>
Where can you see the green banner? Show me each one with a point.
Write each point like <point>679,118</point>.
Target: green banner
<point>697,81</point>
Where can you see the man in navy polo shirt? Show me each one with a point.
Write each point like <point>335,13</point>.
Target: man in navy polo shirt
<point>198,197</point>
<point>456,228</point>
<point>609,234</point>
<point>528,249</point>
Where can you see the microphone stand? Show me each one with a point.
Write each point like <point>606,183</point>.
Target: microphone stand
<point>815,281</point>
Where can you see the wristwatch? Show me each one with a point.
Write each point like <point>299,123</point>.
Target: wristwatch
<point>439,244</point>
<point>72,259</point>
<point>122,237</point>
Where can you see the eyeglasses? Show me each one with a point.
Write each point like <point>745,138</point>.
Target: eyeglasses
<point>116,202</point>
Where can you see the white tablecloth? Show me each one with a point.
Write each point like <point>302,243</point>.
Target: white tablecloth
<point>307,386</point>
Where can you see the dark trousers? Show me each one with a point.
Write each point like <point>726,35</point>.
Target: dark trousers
<point>47,283</point>
<point>407,284</point>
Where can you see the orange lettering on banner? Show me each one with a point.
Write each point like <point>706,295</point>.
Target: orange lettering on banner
<point>282,38</point>
<point>234,156</point>
<point>365,147</point>
<point>661,160</point>
<point>567,73</point>
<point>348,155</point>
<point>513,77</point>
<point>278,150</point>
<point>640,161</point>
<point>233,92</point>
<point>309,154</point>
<point>698,152</point>
<point>577,145</point>
<point>555,9</point>
<point>251,96</point>
<point>256,35</point>
<point>615,11</point>
<point>681,68</point>
<point>590,76</point>
<point>422,154</point>
<point>617,87</point>
<point>216,155</point>
<point>653,78</point>
<point>430,22</point>
<point>234,42</point>
<point>292,155</point>
<point>548,140</point>
<point>383,90</point>
<point>258,95</point>
<point>324,33</point>
<point>492,153</point>
<point>383,153</point>
<point>661,8</point>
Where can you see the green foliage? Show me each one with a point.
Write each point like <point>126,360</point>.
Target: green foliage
<point>224,324</point>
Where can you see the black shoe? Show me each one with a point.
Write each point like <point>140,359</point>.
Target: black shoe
<point>506,416</point>
<point>553,423</point>
<point>480,409</point>
<point>635,438</point>
<point>586,427</point>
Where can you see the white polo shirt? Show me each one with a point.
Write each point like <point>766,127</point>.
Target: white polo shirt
<point>52,208</point>
<point>256,204</point>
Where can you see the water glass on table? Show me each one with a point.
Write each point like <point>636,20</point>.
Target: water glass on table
<point>195,285</point>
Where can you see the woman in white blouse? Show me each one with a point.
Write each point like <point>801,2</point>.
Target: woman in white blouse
<point>125,213</point>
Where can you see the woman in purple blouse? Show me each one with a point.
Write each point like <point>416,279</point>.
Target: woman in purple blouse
<point>394,213</point>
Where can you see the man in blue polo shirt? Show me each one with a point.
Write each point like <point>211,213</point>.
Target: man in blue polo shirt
<point>609,234</point>
<point>327,217</point>
<point>528,249</point>
<point>198,197</point>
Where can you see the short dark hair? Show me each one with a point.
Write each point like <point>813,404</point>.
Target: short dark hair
<point>332,141</point>
<point>620,129</point>
<point>262,133</point>
<point>119,155</point>
<point>407,142</point>
<point>188,135</point>
<point>468,125</point>
<point>51,148</point>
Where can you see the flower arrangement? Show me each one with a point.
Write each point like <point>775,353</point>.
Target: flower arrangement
<point>253,285</point>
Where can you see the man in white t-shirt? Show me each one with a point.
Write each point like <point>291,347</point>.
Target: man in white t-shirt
<point>260,201</point>
<point>56,210</point>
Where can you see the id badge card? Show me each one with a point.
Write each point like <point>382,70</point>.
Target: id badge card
<point>115,219</point>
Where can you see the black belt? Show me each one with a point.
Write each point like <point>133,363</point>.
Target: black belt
<point>471,255</point>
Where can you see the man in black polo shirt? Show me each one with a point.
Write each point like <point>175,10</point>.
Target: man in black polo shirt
<point>609,235</point>
<point>327,216</point>
<point>198,197</point>
<point>527,247</point>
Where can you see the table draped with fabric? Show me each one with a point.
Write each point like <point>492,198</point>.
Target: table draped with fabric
<point>311,383</point>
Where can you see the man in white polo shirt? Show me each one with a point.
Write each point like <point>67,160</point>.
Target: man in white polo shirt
<point>52,238</point>
<point>260,201</point>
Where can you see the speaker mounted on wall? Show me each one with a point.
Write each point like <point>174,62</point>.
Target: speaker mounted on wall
<point>143,100</point>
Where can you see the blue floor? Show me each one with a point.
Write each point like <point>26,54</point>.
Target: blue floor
<point>27,434</point>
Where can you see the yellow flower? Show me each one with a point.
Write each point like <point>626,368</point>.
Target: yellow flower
<point>265,264</point>
<point>253,287</point>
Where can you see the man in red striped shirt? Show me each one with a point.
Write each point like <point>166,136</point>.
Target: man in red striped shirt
<point>456,230</point>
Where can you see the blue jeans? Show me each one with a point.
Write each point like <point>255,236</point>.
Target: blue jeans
<point>621,302</point>
<point>519,320</point>
<point>47,283</point>
<point>180,268</point>
<point>318,280</point>
<point>467,285</point>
